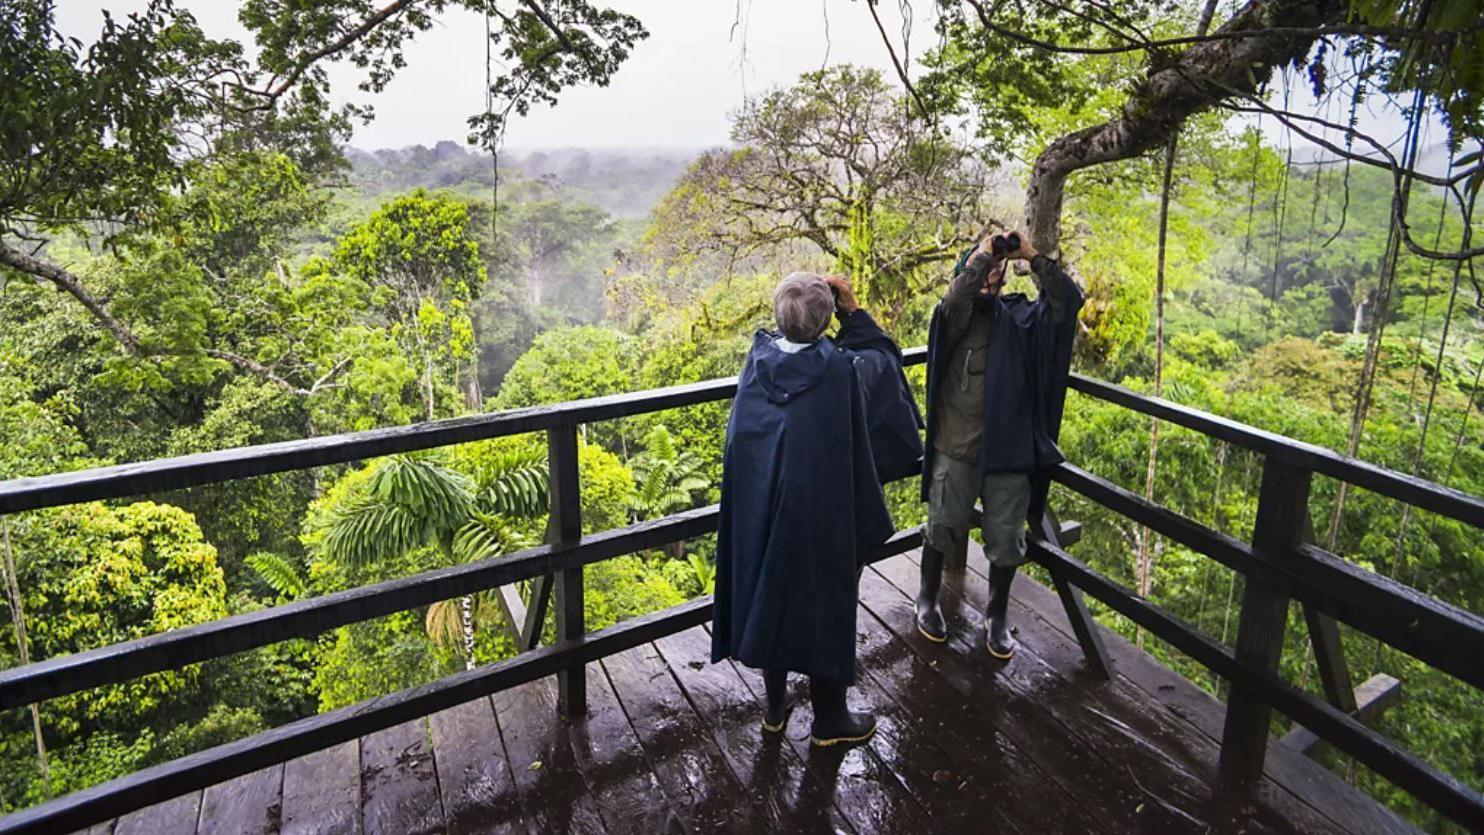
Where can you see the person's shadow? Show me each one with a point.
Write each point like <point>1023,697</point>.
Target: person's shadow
<point>800,792</point>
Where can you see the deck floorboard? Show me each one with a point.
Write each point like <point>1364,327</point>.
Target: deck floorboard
<point>249,805</point>
<point>399,784</point>
<point>474,777</point>
<point>322,792</point>
<point>673,743</point>
<point>690,770</point>
<point>779,784</point>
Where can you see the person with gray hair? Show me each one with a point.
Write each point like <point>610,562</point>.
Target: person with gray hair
<point>817,425</point>
<point>802,307</point>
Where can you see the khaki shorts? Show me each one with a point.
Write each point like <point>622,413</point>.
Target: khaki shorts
<point>955,487</point>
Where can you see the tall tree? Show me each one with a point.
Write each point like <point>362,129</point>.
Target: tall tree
<point>153,101</point>
<point>419,258</point>
<point>842,167</point>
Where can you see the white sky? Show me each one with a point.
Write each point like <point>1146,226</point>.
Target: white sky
<point>676,90</point>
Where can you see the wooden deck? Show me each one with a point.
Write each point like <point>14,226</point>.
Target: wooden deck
<point>672,744</point>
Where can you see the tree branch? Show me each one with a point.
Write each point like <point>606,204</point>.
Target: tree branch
<point>1194,81</point>
<point>278,87</point>
<point>1439,38</point>
<point>73,286</point>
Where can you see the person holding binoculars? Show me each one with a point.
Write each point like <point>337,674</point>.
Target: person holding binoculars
<point>997,375</point>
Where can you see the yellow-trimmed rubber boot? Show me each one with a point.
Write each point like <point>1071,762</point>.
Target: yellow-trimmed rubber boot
<point>997,637</point>
<point>780,703</point>
<point>834,722</point>
<point>929,614</point>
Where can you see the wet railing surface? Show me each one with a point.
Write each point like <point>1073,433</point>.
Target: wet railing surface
<point>1278,564</point>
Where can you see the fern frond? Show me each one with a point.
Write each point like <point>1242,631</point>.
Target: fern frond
<point>279,573</point>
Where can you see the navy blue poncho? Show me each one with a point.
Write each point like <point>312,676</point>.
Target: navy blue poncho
<point>801,505</point>
<point>1028,361</point>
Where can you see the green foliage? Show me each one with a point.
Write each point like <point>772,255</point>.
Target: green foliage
<point>92,575</point>
<point>278,573</point>
<point>668,478</point>
<point>837,172</point>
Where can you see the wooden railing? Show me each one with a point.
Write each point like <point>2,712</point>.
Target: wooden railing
<point>1278,564</point>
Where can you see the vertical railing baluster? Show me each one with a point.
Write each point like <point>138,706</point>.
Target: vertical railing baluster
<point>1282,518</point>
<point>564,528</point>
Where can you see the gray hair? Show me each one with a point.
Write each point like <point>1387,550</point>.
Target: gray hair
<point>802,305</point>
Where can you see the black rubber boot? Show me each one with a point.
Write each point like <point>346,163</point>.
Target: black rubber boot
<point>997,635</point>
<point>929,614</point>
<point>834,722</point>
<point>780,703</point>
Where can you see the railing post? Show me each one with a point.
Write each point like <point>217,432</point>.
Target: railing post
<point>564,528</point>
<point>1282,519</point>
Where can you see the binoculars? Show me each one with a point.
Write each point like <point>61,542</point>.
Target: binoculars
<point>1002,245</point>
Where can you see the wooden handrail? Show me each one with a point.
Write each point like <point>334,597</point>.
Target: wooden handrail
<point>1415,491</point>
<point>192,772</point>
<point>1278,566</point>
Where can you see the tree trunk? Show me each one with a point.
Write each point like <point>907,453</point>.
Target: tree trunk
<point>18,620</point>
<point>1380,310</point>
<point>1198,79</point>
<point>466,618</point>
<point>535,281</point>
<point>1145,565</point>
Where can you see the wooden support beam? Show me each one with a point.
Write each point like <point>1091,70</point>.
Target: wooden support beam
<point>1329,656</point>
<point>513,608</point>
<point>1069,534</point>
<point>535,614</point>
<point>1371,699</point>
<point>1282,514</point>
<point>1085,628</point>
<point>564,530</point>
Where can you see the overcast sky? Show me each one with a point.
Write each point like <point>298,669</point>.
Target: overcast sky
<point>676,90</point>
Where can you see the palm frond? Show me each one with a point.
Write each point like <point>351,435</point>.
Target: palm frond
<point>444,624</point>
<point>519,492</point>
<point>368,532</point>
<point>410,501</point>
<point>485,535</point>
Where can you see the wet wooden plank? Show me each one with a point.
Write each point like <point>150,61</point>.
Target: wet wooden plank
<point>618,772</point>
<point>1306,781</point>
<point>178,814</point>
<point>865,790</point>
<point>685,761</point>
<point>782,790</point>
<point>474,778</point>
<point>248,805</point>
<point>966,773</point>
<point>552,790</point>
<point>1114,780</point>
<point>399,786</point>
<point>1131,730</point>
<point>322,792</point>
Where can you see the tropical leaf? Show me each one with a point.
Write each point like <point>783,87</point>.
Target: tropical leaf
<point>705,572</point>
<point>410,501</point>
<point>486,535</point>
<point>515,484</point>
<point>445,624</point>
<point>667,479</point>
<point>279,573</point>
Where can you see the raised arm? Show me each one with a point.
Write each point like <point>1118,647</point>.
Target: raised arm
<point>968,280</point>
<point>1058,289</point>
